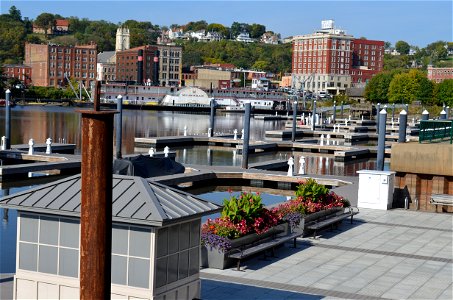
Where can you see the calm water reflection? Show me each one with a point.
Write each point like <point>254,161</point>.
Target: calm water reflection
<point>59,123</point>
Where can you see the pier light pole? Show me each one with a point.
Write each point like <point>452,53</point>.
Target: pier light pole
<point>119,125</point>
<point>96,201</point>
<point>245,143</point>
<point>293,136</point>
<point>8,119</point>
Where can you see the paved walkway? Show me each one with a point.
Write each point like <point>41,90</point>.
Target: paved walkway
<point>394,254</point>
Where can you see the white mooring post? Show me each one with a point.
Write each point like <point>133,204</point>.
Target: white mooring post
<point>31,143</point>
<point>235,134</point>
<point>185,130</point>
<point>3,146</point>
<point>49,146</point>
<point>322,140</point>
<point>328,139</point>
<point>290,166</point>
<point>166,151</point>
<point>242,134</point>
<point>151,152</point>
<point>302,165</point>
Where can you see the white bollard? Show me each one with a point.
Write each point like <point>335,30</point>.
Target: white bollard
<point>322,140</point>
<point>209,132</point>
<point>151,152</point>
<point>185,130</point>
<point>349,117</point>
<point>31,143</point>
<point>392,124</point>
<point>290,166</point>
<point>302,165</point>
<point>334,128</point>
<point>49,146</point>
<point>413,121</point>
<point>3,147</point>
<point>328,139</point>
<point>338,128</point>
<point>345,122</point>
<point>235,134</point>
<point>362,117</point>
<point>242,134</point>
<point>166,151</point>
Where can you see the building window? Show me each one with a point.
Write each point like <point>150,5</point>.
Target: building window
<point>49,245</point>
<point>131,256</point>
<point>177,252</point>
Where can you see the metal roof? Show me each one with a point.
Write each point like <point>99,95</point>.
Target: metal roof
<point>134,200</point>
<point>106,56</point>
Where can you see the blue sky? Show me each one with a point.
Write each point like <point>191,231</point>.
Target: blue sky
<point>416,22</point>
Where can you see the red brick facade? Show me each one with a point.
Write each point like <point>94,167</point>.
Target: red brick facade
<point>21,72</point>
<point>50,63</point>
<point>126,63</point>
<point>439,74</point>
<point>367,59</point>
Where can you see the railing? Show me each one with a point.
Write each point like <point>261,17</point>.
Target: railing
<point>436,131</point>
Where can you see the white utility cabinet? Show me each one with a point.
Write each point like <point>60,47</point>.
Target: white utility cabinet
<point>376,189</point>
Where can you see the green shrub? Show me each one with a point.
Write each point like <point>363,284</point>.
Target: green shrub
<point>311,189</point>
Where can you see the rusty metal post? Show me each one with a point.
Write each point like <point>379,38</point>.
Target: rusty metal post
<point>96,210</point>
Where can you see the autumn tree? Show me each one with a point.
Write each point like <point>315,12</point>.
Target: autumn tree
<point>411,86</point>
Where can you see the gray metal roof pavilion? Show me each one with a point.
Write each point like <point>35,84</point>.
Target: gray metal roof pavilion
<point>135,200</point>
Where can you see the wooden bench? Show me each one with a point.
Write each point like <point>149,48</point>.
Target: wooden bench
<point>262,246</point>
<point>441,199</point>
<point>331,220</point>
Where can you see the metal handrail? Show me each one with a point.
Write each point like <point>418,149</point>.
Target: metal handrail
<point>436,131</point>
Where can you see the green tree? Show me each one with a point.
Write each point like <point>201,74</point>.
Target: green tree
<point>377,88</point>
<point>46,21</point>
<point>237,28</point>
<point>257,30</point>
<point>15,13</point>
<point>402,47</point>
<point>196,26</point>
<point>219,28</point>
<point>444,92</point>
<point>411,86</point>
<point>387,45</point>
<point>12,40</point>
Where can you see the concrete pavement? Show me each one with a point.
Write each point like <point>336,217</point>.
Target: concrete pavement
<point>394,254</point>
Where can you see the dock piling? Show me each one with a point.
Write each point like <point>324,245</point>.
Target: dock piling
<point>425,115</point>
<point>334,114</point>
<point>119,125</point>
<point>8,119</point>
<point>378,109</point>
<point>402,127</point>
<point>293,135</point>
<point>246,136</point>
<point>313,123</point>
<point>212,118</point>
<point>381,140</point>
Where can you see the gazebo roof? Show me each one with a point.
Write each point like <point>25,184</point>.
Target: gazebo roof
<point>135,200</point>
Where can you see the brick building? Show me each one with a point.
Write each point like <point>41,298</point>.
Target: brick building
<point>170,65</point>
<point>161,65</point>
<point>50,63</point>
<point>439,74</point>
<point>127,64</point>
<point>21,72</point>
<point>331,60</point>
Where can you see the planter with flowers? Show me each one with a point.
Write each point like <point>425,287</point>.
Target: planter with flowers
<point>244,220</point>
<point>318,201</point>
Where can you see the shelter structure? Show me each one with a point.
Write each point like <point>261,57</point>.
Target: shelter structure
<point>155,240</point>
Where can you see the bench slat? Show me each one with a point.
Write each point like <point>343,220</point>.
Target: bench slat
<point>329,221</point>
<point>264,246</point>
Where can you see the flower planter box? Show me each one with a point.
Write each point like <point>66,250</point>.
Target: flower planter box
<point>213,258</point>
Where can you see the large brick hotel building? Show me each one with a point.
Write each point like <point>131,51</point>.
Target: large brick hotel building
<point>331,60</point>
<point>51,62</point>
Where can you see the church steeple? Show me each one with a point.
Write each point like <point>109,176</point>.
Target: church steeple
<point>122,39</point>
